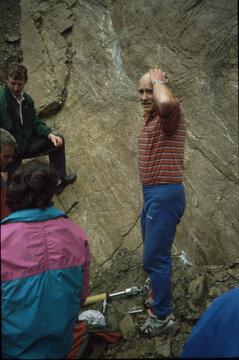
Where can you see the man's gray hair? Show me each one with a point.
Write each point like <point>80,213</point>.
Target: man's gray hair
<point>6,139</point>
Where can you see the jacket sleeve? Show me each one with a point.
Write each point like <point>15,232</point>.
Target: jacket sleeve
<point>216,333</point>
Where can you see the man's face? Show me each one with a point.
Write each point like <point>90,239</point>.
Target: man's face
<point>16,86</point>
<point>6,156</point>
<point>146,97</point>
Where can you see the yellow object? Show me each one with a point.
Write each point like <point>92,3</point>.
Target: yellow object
<point>95,298</point>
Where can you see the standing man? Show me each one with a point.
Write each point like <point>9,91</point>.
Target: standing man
<point>7,143</point>
<point>161,158</point>
<point>34,138</point>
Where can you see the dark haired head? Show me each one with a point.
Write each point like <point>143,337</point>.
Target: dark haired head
<point>17,72</point>
<point>31,186</point>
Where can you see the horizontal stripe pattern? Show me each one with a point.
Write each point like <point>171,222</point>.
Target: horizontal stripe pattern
<point>161,152</point>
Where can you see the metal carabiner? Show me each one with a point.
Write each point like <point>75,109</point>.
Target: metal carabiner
<point>145,288</point>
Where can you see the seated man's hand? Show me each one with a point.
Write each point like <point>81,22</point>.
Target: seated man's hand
<point>56,140</point>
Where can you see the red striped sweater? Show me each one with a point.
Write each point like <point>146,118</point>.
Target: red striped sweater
<point>161,148</point>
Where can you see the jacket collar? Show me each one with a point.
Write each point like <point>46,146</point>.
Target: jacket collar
<point>10,96</point>
<point>29,215</point>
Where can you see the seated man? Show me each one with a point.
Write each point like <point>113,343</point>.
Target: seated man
<point>7,143</point>
<point>34,138</point>
<point>45,261</point>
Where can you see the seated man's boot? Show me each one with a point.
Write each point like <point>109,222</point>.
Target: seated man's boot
<point>69,179</point>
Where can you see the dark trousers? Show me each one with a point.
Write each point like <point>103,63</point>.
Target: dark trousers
<point>163,208</point>
<point>42,146</point>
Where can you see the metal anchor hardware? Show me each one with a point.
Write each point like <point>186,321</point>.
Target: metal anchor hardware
<point>135,309</point>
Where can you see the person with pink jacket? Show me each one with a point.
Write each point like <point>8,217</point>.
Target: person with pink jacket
<point>45,264</point>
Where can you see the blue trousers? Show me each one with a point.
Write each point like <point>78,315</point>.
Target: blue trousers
<point>163,208</point>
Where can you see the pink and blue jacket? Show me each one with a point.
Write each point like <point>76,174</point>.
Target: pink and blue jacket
<point>45,262</point>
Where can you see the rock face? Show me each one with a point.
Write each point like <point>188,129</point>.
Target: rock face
<point>85,58</point>
<point>10,38</point>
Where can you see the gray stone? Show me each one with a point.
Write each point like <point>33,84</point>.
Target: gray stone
<point>198,288</point>
<point>162,346</point>
<point>134,353</point>
<point>13,38</point>
<point>234,273</point>
<point>127,327</point>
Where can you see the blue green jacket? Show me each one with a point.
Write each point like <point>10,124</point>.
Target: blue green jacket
<point>45,262</point>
